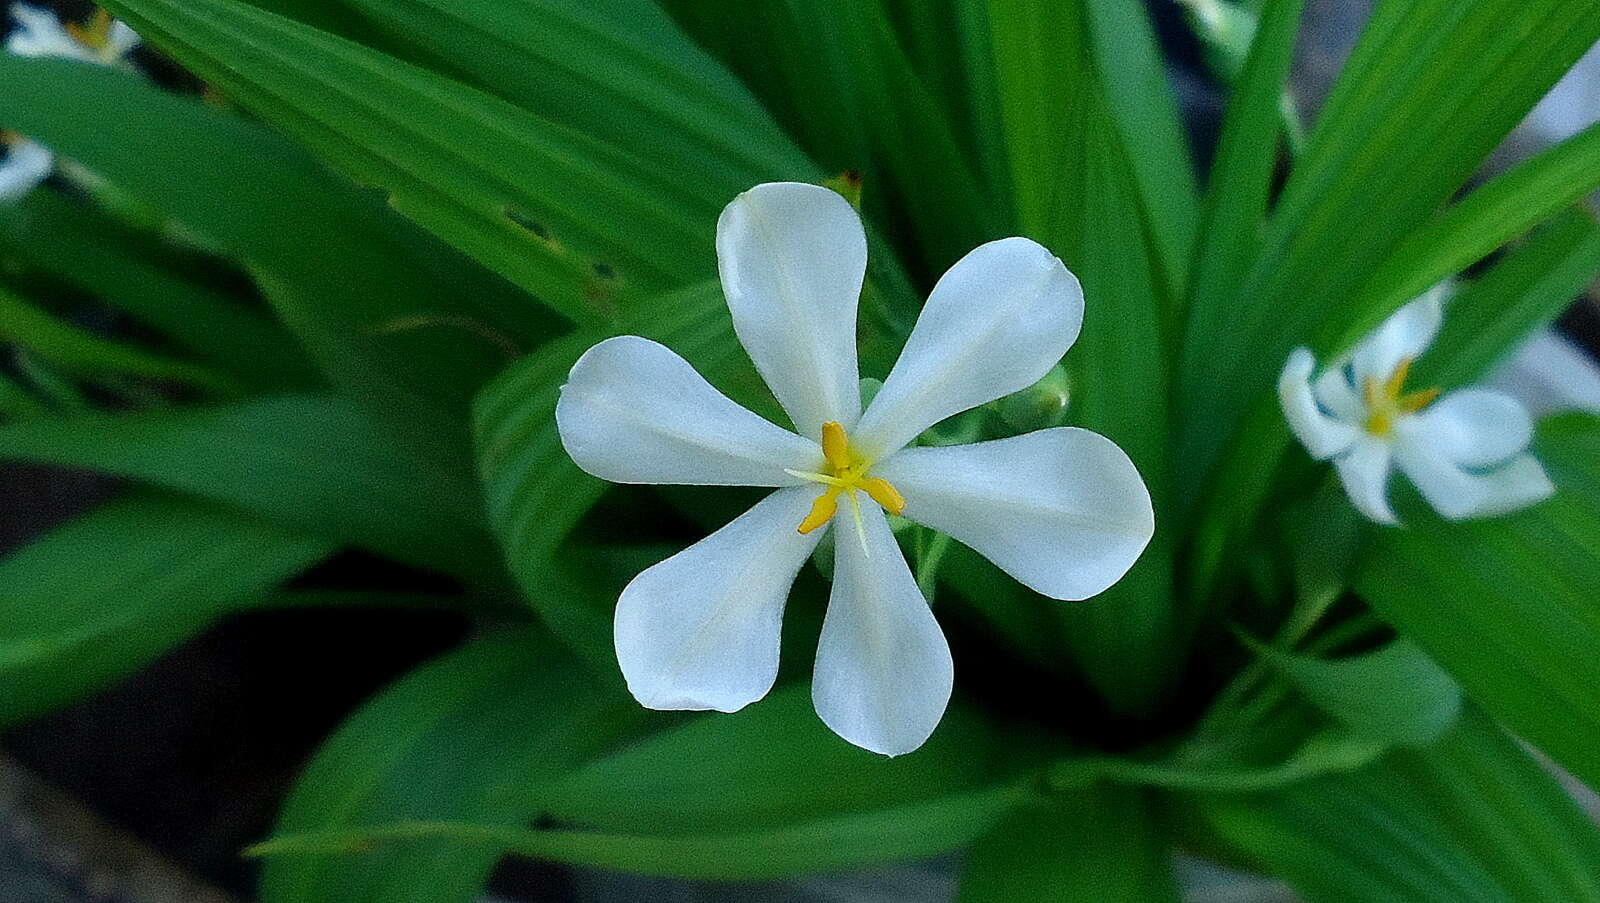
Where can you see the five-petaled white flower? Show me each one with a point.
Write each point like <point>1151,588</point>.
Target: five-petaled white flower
<point>1062,510</point>
<point>102,40</point>
<point>1466,453</point>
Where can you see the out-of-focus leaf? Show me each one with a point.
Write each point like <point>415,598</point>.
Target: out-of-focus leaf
<point>1100,844</point>
<point>1395,693</point>
<point>89,356</point>
<point>1144,112</point>
<point>831,844</point>
<point>97,598</point>
<point>775,765</point>
<point>311,463</point>
<point>1508,604</point>
<point>1236,197</point>
<point>578,222</point>
<point>87,249</point>
<point>1527,289</point>
<point>393,319</point>
<point>1497,212</point>
<point>1470,818</point>
<point>475,735</point>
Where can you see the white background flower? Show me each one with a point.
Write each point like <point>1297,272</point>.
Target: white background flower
<point>1465,452</point>
<point>40,33</point>
<point>1062,510</point>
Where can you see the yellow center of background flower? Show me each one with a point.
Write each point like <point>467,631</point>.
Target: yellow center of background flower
<point>1385,404</point>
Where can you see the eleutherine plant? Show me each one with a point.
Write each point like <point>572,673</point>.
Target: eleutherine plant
<point>1119,564</point>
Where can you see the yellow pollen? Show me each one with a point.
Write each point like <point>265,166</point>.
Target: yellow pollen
<point>1385,403</point>
<point>94,34</point>
<point>845,473</point>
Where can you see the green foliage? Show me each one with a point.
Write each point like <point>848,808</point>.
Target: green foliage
<point>340,316</point>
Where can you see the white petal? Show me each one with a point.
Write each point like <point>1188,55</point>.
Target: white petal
<point>1472,427</point>
<point>1404,336</point>
<point>1457,494</point>
<point>1322,436</point>
<point>633,411</point>
<point>700,630</point>
<point>995,324</point>
<point>120,42</point>
<point>1334,393</point>
<point>1364,470</point>
<point>792,259</point>
<point>883,674</point>
<point>27,165</point>
<point>40,34</point>
<point>1062,510</point>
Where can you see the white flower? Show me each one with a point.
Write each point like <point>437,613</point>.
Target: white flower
<point>101,40</point>
<point>1466,452</point>
<point>26,164</point>
<point>1062,510</point>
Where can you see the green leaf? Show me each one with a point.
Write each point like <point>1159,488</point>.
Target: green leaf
<point>474,735</point>
<point>394,320</point>
<point>87,249</point>
<point>1140,102</point>
<point>1395,693</point>
<point>1066,145</point>
<point>827,845</point>
<point>619,70</point>
<point>90,356</point>
<point>1100,844</point>
<point>1431,88</point>
<point>775,766</point>
<point>94,600</point>
<point>1508,604</point>
<point>1470,230</point>
<point>580,223</point>
<point>1236,197</point>
<point>1470,818</point>
<point>1526,289</point>
<point>836,75</point>
<point>311,463</point>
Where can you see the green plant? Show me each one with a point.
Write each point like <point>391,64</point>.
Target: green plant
<point>1277,683</point>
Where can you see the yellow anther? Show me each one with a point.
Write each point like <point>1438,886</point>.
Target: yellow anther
<point>822,510</point>
<point>883,492</point>
<point>1417,400</point>
<point>835,446</point>
<point>1385,403</point>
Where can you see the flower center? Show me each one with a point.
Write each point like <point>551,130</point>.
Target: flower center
<point>846,473</point>
<point>1386,404</point>
<point>95,33</point>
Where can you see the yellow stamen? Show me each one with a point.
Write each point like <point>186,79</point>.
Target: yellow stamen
<point>1418,400</point>
<point>1385,403</point>
<point>822,511</point>
<point>845,473</point>
<point>883,492</point>
<point>835,446</point>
